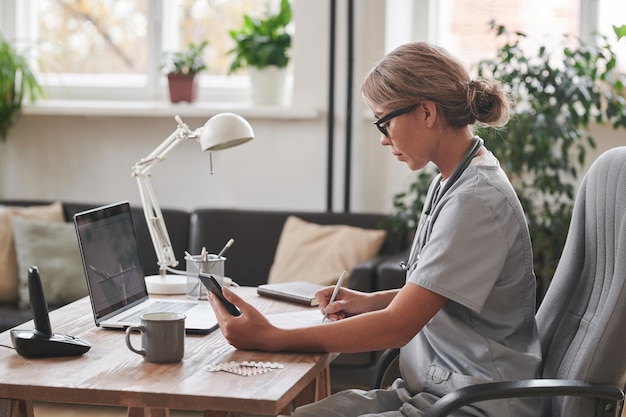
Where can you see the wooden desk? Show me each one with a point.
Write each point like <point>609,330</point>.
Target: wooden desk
<point>110,374</point>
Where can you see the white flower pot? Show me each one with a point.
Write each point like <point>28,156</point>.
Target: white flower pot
<point>268,85</point>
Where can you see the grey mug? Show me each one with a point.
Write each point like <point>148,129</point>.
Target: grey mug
<point>162,337</point>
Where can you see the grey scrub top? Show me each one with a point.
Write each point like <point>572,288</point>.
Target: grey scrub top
<point>479,257</point>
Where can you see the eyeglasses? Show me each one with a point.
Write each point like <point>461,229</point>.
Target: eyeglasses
<point>383,128</point>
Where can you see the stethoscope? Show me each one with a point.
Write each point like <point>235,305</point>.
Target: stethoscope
<point>424,228</point>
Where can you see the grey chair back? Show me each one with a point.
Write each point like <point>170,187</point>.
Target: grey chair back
<point>582,319</point>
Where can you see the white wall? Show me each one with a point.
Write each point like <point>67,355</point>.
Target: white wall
<point>89,158</point>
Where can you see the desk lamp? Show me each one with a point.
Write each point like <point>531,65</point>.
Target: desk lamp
<point>221,131</point>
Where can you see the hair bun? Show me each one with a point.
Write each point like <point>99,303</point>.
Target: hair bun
<point>487,101</point>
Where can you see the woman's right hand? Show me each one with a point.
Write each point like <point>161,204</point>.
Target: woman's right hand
<point>348,302</point>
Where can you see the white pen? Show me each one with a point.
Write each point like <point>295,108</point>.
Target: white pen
<point>225,248</point>
<point>335,291</point>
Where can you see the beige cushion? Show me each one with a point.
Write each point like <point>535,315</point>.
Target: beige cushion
<point>319,253</point>
<point>9,281</point>
<point>53,248</point>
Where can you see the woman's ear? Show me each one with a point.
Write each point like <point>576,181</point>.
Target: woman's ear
<point>429,110</point>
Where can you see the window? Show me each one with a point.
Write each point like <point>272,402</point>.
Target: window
<point>462,26</point>
<point>93,37</point>
<point>211,19</point>
<point>613,13</point>
<point>111,49</point>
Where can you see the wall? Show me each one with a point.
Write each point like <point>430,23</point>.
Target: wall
<point>90,159</point>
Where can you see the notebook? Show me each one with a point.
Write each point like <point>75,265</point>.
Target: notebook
<point>115,275</point>
<point>300,292</point>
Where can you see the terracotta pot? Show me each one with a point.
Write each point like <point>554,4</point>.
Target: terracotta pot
<point>183,87</point>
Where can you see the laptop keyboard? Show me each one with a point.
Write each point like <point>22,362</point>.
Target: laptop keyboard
<point>160,307</point>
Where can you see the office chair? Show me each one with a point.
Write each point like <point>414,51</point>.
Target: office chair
<point>582,319</point>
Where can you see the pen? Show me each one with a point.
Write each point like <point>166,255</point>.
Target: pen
<point>228,245</point>
<point>335,291</point>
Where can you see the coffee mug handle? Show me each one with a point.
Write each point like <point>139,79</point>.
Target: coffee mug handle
<point>131,329</point>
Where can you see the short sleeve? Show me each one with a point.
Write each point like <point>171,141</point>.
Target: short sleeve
<point>465,254</point>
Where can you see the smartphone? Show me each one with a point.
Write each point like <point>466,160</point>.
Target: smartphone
<point>212,285</point>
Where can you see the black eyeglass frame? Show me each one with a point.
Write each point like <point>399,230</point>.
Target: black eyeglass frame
<point>391,115</point>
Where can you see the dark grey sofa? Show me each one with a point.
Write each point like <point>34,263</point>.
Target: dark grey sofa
<point>256,234</point>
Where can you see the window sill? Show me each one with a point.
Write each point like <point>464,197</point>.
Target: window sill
<point>105,108</point>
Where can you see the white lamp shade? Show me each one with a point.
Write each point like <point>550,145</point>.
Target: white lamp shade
<point>225,130</point>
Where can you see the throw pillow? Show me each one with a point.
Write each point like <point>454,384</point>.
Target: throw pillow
<point>9,281</point>
<point>53,248</point>
<point>319,253</point>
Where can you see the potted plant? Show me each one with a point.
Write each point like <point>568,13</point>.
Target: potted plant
<point>262,46</point>
<point>542,149</point>
<point>181,68</point>
<point>18,85</point>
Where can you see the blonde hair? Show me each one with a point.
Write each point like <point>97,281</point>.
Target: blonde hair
<point>418,71</point>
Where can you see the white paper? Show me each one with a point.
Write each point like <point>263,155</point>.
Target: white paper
<point>294,319</point>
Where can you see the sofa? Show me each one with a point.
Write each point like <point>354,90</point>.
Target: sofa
<point>257,235</point>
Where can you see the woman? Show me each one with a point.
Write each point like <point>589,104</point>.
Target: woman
<point>466,312</point>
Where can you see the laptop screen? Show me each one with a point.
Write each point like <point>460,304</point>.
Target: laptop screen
<point>111,258</point>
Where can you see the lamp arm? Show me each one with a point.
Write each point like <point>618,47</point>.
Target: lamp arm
<point>156,225</point>
<point>181,133</point>
<point>152,212</point>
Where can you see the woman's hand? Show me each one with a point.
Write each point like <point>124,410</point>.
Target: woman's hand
<point>251,330</point>
<point>348,302</point>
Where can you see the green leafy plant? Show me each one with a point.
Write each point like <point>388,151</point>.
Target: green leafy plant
<point>263,42</point>
<point>186,62</point>
<point>18,84</point>
<point>543,148</point>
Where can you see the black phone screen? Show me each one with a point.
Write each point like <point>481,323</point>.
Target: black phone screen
<point>212,285</point>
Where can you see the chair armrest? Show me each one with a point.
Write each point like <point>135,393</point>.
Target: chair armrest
<point>389,274</point>
<point>384,367</point>
<point>363,275</point>
<point>525,388</point>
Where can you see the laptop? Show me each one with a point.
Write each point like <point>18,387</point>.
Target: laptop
<point>115,275</point>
